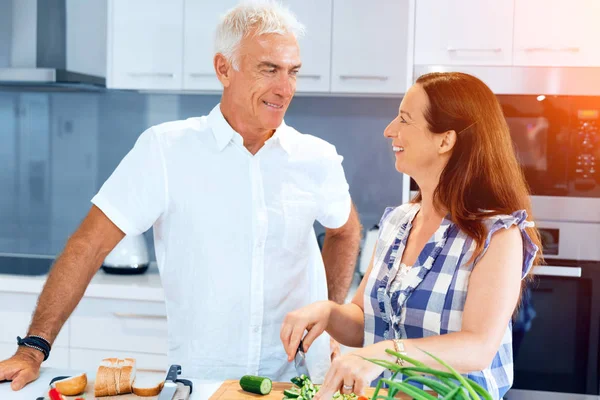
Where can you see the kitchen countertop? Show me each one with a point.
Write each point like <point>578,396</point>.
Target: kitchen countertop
<point>146,286</point>
<point>516,394</point>
<point>202,389</point>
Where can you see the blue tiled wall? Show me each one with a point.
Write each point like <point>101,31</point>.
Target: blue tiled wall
<point>57,148</point>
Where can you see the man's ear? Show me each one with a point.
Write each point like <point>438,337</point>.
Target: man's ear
<point>223,69</point>
<point>448,141</point>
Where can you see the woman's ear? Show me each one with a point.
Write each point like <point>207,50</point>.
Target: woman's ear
<point>448,141</point>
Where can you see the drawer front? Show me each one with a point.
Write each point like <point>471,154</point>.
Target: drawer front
<point>16,317</point>
<point>105,324</point>
<point>89,360</point>
<point>59,357</point>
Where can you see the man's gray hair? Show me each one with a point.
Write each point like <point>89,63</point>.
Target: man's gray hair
<point>259,17</point>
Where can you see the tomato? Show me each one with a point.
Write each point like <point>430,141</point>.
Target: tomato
<point>55,395</point>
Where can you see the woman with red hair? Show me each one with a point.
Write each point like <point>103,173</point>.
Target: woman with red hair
<point>448,268</point>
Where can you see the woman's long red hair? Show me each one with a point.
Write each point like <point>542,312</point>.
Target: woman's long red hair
<point>483,177</point>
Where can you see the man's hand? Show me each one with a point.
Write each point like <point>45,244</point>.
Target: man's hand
<point>22,368</point>
<point>335,348</point>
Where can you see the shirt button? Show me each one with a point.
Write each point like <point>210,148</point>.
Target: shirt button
<point>256,329</point>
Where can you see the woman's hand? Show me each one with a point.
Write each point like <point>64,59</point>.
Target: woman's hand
<point>350,373</point>
<point>313,318</point>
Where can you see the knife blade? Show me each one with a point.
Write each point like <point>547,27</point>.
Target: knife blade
<point>170,386</point>
<point>300,361</point>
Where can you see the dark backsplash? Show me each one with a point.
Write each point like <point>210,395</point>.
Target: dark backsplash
<point>57,148</point>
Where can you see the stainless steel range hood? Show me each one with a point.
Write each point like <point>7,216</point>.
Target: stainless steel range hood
<point>34,44</point>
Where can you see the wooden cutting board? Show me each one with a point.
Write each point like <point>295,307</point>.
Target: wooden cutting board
<point>182,393</point>
<point>231,390</point>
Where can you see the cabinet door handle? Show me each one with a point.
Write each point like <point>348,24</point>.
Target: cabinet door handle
<point>493,50</point>
<point>152,75</point>
<point>553,49</point>
<point>202,75</point>
<point>139,316</point>
<point>547,270</point>
<point>315,77</point>
<point>365,77</point>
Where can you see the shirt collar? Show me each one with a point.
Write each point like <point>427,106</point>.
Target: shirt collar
<point>285,137</point>
<point>221,129</point>
<point>224,133</point>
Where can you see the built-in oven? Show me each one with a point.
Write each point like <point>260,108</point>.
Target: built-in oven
<point>556,333</point>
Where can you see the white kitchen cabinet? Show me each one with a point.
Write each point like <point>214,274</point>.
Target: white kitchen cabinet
<point>315,46</point>
<point>145,44</point>
<point>464,32</point>
<point>557,33</point>
<point>370,46</point>
<point>119,325</point>
<point>201,18</point>
<point>89,360</point>
<point>59,356</point>
<point>16,316</point>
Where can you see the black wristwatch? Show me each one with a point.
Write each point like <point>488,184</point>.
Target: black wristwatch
<point>36,342</point>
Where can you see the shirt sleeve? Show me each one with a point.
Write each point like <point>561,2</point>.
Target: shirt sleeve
<point>335,203</point>
<point>134,196</point>
<point>518,218</point>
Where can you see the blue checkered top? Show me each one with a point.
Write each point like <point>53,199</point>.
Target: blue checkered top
<point>430,298</point>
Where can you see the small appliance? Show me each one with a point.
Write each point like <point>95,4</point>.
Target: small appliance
<point>128,257</point>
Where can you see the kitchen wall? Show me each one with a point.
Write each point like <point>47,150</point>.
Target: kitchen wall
<point>57,148</point>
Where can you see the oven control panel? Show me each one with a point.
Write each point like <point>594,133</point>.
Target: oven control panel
<point>587,156</point>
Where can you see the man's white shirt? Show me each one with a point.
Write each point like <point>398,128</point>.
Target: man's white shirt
<point>234,238</point>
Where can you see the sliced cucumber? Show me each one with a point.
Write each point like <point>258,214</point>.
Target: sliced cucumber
<point>298,381</point>
<point>291,393</point>
<point>256,384</point>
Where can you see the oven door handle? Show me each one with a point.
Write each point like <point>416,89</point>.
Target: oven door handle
<point>557,270</point>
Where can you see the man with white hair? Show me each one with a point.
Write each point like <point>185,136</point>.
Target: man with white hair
<point>232,197</point>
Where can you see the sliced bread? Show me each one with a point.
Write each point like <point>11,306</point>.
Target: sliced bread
<point>104,381</point>
<point>147,386</point>
<point>127,375</point>
<point>114,376</point>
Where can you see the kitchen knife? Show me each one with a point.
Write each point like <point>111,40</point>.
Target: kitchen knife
<point>170,386</point>
<point>300,361</point>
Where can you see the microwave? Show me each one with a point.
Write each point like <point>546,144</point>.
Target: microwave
<point>557,142</point>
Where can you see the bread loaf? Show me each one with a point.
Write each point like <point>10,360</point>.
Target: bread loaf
<point>115,376</point>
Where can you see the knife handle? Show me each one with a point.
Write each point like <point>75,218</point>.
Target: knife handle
<point>187,383</point>
<point>174,371</point>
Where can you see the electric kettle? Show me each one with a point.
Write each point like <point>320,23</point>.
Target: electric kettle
<point>130,256</point>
